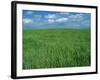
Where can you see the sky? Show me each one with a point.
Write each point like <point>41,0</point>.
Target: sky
<point>55,20</point>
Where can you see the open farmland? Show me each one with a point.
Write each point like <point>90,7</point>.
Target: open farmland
<point>56,48</point>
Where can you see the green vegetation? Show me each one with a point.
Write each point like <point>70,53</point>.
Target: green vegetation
<point>55,48</point>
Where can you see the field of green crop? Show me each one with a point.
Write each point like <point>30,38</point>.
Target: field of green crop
<point>55,48</point>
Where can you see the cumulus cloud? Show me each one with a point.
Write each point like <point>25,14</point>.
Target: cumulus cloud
<point>46,19</point>
<point>51,20</point>
<point>62,19</point>
<point>29,12</point>
<point>37,17</point>
<point>50,16</point>
<point>27,21</point>
<point>76,17</point>
<point>57,17</point>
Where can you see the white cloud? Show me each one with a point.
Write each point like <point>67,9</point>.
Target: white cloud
<point>50,16</point>
<point>76,17</point>
<point>51,20</point>
<point>62,19</point>
<point>29,12</point>
<point>37,17</point>
<point>27,21</point>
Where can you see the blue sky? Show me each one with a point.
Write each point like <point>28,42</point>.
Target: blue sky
<point>50,20</point>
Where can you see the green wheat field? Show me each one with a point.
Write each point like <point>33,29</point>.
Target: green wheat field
<point>56,48</point>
